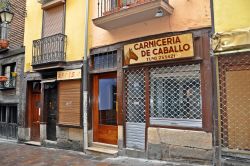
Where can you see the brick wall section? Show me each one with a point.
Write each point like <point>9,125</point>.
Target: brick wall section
<point>16,35</point>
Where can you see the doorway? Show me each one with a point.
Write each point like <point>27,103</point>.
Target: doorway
<point>105,108</point>
<point>34,109</point>
<point>50,104</point>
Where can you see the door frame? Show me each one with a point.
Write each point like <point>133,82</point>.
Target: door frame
<point>95,110</point>
<point>29,101</point>
<point>46,109</point>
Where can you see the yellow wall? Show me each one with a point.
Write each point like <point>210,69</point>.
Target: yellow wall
<point>231,14</point>
<point>188,14</point>
<point>74,29</point>
<point>33,30</point>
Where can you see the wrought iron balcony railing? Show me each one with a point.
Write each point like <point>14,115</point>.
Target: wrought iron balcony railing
<point>106,7</point>
<point>49,49</point>
<point>9,84</point>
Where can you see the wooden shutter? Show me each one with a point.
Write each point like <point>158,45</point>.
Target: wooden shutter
<point>69,102</point>
<point>53,21</point>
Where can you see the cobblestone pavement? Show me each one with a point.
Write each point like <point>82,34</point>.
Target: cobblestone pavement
<point>13,154</point>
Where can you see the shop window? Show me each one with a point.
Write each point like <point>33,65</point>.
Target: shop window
<point>104,60</point>
<point>9,72</point>
<point>175,96</point>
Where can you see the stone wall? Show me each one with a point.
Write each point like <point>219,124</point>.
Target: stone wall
<point>69,138</point>
<point>186,145</point>
<point>14,96</point>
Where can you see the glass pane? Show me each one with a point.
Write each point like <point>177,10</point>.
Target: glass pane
<point>12,114</point>
<point>1,107</point>
<point>7,71</point>
<point>107,101</point>
<point>4,114</point>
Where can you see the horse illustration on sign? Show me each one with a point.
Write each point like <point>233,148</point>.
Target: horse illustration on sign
<point>130,55</point>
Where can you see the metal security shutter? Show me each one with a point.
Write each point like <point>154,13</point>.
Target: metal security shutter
<point>53,21</point>
<point>69,102</point>
<point>234,111</point>
<point>135,108</point>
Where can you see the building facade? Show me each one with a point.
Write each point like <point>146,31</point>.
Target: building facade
<point>150,79</point>
<point>231,59</point>
<point>54,40</point>
<point>11,69</point>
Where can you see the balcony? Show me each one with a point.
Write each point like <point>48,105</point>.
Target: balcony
<point>8,84</point>
<point>118,13</point>
<point>49,52</point>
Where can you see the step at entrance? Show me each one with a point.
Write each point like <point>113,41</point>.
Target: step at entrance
<point>34,143</point>
<point>102,149</point>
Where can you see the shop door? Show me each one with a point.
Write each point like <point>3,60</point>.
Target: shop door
<point>50,101</point>
<point>34,98</point>
<point>105,108</point>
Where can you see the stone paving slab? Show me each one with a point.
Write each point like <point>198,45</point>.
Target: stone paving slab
<point>13,154</point>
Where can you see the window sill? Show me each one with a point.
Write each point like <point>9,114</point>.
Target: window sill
<point>180,123</point>
<point>68,125</point>
<point>8,88</point>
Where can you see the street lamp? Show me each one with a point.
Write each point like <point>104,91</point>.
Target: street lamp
<point>6,16</point>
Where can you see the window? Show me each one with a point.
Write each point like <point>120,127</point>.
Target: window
<point>8,121</point>
<point>9,72</point>
<point>105,60</point>
<point>8,114</point>
<point>175,96</point>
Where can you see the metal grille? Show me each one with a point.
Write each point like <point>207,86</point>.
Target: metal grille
<point>234,107</point>
<point>135,95</point>
<point>49,49</point>
<point>175,95</point>
<point>106,7</point>
<point>9,84</point>
<point>135,108</point>
<point>105,60</point>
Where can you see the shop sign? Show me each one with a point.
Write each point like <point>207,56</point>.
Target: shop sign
<point>172,47</point>
<point>69,74</point>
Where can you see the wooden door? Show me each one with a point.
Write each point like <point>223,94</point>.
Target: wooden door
<point>35,97</point>
<point>105,108</point>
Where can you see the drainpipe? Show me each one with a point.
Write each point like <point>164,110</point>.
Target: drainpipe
<point>85,80</point>
<point>216,129</point>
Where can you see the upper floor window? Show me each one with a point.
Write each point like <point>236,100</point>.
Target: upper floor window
<point>9,71</point>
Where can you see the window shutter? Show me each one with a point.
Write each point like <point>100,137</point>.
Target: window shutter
<point>53,21</point>
<point>69,102</point>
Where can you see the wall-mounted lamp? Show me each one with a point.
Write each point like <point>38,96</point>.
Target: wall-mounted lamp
<point>6,16</point>
<point>159,13</point>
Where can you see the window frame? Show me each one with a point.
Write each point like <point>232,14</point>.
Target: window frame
<point>11,80</point>
<point>9,110</point>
